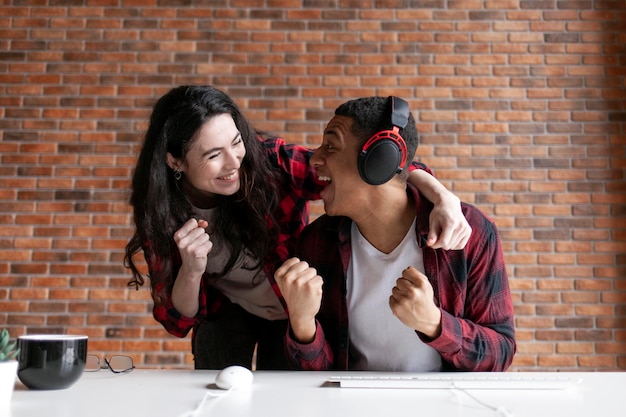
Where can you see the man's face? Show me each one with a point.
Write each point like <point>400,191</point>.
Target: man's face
<point>336,163</point>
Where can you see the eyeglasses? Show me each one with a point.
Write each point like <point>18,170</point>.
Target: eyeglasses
<point>116,363</point>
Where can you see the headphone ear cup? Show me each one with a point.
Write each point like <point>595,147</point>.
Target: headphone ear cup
<point>379,161</point>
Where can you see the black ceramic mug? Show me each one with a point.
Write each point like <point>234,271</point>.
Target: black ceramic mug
<point>51,361</point>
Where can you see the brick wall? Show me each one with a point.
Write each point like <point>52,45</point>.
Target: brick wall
<point>521,105</point>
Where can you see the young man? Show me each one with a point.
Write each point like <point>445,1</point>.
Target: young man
<point>365,292</point>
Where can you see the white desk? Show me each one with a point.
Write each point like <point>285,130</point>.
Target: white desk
<point>172,393</point>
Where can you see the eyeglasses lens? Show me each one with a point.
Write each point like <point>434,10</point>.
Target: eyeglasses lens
<point>92,364</point>
<point>116,363</point>
<point>121,363</point>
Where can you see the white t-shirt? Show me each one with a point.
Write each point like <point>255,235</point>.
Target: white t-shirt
<point>249,288</point>
<point>378,340</point>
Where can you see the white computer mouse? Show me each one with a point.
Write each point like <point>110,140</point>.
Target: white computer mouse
<point>234,377</point>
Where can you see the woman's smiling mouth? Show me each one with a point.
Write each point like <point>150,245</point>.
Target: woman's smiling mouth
<point>229,177</point>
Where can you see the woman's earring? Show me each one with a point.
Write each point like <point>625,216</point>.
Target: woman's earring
<point>178,175</point>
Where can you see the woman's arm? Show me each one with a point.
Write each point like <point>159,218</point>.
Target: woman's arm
<point>194,245</point>
<point>448,227</point>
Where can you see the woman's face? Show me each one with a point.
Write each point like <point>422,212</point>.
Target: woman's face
<point>212,163</point>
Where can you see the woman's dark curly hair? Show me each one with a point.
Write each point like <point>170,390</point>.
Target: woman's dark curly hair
<point>160,208</point>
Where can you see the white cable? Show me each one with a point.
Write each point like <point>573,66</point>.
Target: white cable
<point>205,397</point>
<point>500,410</point>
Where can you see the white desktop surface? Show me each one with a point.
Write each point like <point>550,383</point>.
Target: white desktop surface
<point>175,393</point>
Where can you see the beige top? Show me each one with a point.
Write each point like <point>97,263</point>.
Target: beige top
<point>249,288</point>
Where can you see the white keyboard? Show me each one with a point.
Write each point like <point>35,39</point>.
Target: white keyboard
<point>458,380</point>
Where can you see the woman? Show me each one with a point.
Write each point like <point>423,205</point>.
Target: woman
<point>217,208</point>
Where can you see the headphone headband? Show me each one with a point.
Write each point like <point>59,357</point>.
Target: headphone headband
<point>399,112</point>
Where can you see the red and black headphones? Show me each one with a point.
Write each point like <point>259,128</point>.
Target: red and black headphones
<point>384,154</point>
